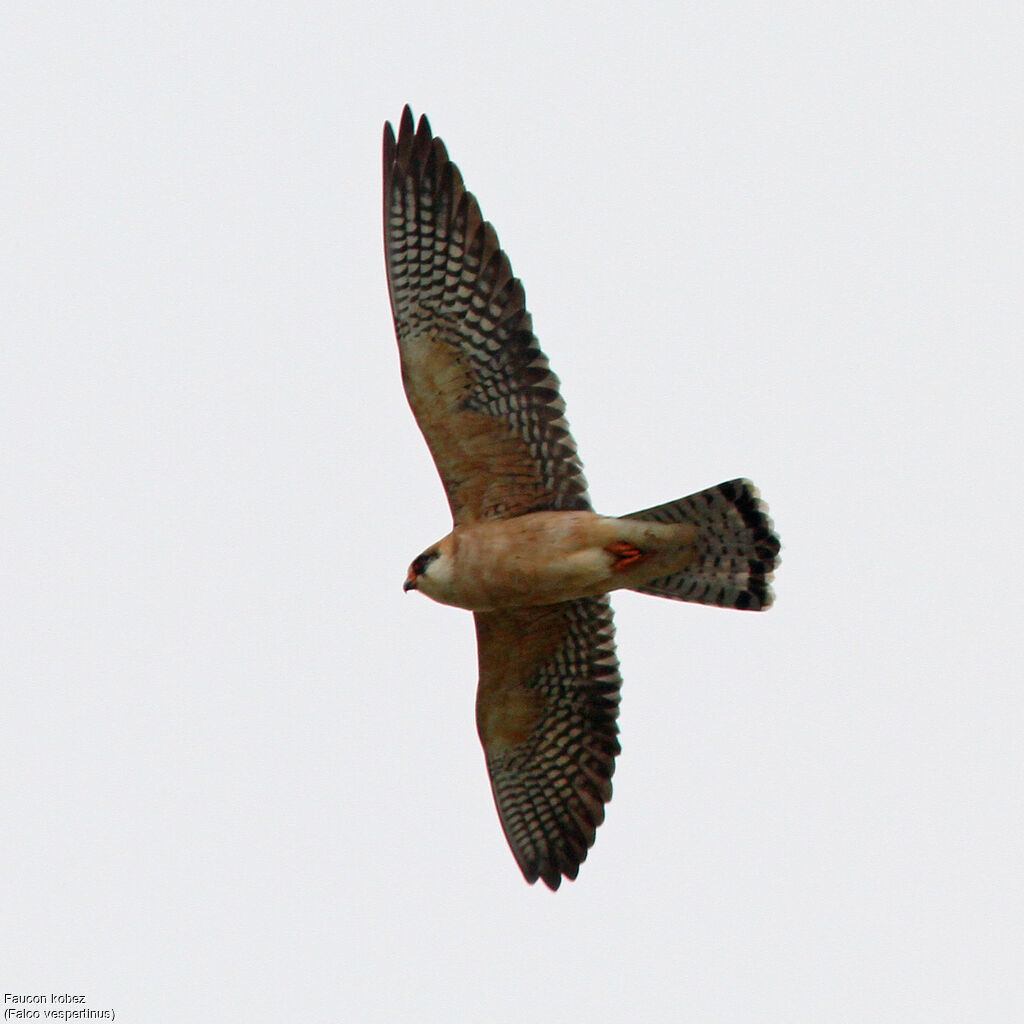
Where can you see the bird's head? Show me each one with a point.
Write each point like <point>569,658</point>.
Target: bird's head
<point>430,572</point>
<point>418,569</point>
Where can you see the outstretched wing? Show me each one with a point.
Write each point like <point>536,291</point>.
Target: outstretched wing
<point>546,711</point>
<point>479,385</point>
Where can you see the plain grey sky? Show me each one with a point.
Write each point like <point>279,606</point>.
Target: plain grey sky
<point>241,780</point>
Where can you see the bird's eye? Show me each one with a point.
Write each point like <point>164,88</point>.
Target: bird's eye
<point>419,566</point>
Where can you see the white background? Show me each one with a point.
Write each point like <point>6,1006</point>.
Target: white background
<point>240,776</point>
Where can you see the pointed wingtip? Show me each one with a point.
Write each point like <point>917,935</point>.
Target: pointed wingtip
<point>406,130</point>
<point>406,123</point>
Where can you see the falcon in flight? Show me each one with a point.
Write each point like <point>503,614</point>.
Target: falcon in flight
<point>527,554</point>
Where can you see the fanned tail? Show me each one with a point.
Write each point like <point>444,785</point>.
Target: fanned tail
<point>737,548</point>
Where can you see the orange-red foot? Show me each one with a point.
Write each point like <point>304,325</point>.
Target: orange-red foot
<point>626,554</point>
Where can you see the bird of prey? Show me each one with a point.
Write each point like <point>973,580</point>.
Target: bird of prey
<point>527,554</point>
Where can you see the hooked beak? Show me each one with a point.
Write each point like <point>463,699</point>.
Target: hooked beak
<point>410,582</point>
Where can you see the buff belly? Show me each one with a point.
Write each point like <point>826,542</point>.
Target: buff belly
<point>547,557</point>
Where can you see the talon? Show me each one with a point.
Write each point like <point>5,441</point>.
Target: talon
<point>625,555</point>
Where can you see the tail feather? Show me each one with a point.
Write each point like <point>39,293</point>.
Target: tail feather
<point>737,548</point>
